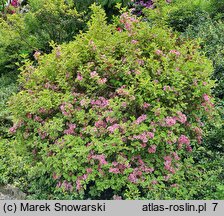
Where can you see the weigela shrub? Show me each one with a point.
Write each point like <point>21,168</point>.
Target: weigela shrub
<point>113,113</point>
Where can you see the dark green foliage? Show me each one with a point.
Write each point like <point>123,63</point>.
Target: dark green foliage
<point>7,88</point>
<point>212,42</point>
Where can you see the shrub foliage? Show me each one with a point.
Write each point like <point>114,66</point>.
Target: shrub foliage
<point>115,112</point>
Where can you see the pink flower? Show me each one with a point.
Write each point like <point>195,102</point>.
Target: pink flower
<point>152,149</point>
<point>147,169</point>
<point>83,102</point>
<point>114,163</point>
<point>166,88</point>
<point>132,178</point>
<point>100,124</point>
<point>154,182</point>
<point>89,170</point>
<point>134,41</point>
<point>189,148</point>
<point>79,77</point>
<point>141,119</point>
<point>116,197</point>
<point>181,117</point>
<point>119,29</point>
<point>143,145</point>
<point>167,165</point>
<point>206,97</point>
<point>159,52</point>
<point>114,170</point>
<point>140,62</point>
<point>198,131</point>
<point>144,136</point>
<point>110,119</point>
<point>199,139</point>
<point>101,102</point>
<point>37,55</point>
<point>170,121</point>
<point>146,105</point>
<point>59,184</point>
<point>84,177</point>
<point>38,118</point>
<point>12,130</point>
<point>42,110</point>
<point>124,104</point>
<point>150,135</point>
<point>78,185</point>
<point>58,52</point>
<point>71,129</point>
<point>14,3</point>
<point>175,155</point>
<point>55,176</point>
<point>175,52</point>
<point>113,128</point>
<point>93,74</point>
<point>122,91</point>
<point>183,140</point>
<point>167,177</point>
<point>66,109</point>
<point>102,81</point>
<point>42,135</point>
<point>101,159</point>
<point>167,158</point>
<point>29,115</point>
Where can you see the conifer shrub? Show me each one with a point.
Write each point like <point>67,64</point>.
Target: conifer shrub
<point>211,34</point>
<point>114,113</point>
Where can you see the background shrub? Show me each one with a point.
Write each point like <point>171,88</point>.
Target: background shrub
<point>24,33</point>
<point>7,88</point>
<point>211,34</point>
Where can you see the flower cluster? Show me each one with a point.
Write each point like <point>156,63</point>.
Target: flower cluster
<point>168,164</point>
<point>15,126</point>
<point>100,158</point>
<point>70,130</point>
<point>113,127</point>
<point>152,149</point>
<point>137,174</point>
<point>182,118</point>
<point>118,167</point>
<point>144,137</point>
<point>66,109</point>
<point>66,185</point>
<point>177,53</point>
<point>101,102</point>
<point>100,123</point>
<point>140,119</point>
<point>184,140</point>
<point>128,21</point>
<point>170,121</point>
